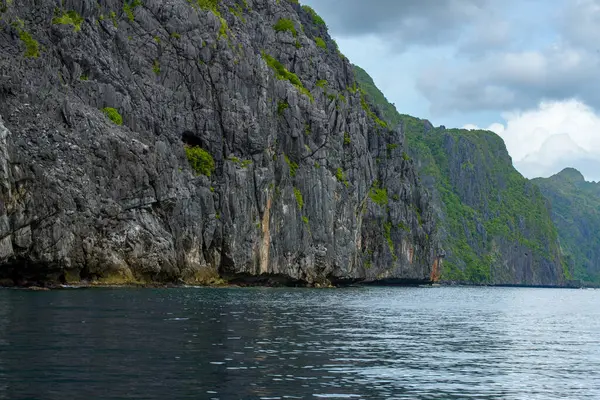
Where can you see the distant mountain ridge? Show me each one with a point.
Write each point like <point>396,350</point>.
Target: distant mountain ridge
<point>575,205</point>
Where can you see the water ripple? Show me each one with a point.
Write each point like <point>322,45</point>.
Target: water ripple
<point>363,343</point>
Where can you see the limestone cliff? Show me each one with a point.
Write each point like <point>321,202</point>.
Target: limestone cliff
<point>296,178</point>
<point>495,225</point>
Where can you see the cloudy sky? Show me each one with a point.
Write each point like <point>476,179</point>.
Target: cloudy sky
<point>527,69</point>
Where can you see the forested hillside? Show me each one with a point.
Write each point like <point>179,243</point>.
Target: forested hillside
<point>494,224</point>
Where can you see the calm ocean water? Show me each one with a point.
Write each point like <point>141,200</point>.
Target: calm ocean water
<point>357,343</point>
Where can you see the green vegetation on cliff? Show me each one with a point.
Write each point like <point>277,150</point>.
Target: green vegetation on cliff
<point>494,223</point>
<point>113,115</point>
<point>32,47</point>
<point>317,20</point>
<point>285,25</point>
<point>211,5</point>
<point>200,160</point>
<point>390,114</point>
<point>69,18</point>
<point>283,74</point>
<point>575,206</point>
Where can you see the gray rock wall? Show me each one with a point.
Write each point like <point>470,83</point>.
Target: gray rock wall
<point>83,198</point>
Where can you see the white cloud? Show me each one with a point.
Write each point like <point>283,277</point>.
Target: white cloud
<point>553,136</point>
<point>496,127</point>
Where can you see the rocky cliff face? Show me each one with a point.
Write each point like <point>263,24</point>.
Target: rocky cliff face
<point>494,224</point>
<point>100,100</point>
<point>575,206</point>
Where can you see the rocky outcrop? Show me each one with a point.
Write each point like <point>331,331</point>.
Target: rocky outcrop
<point>494,224</point>
<point>99,101</point>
